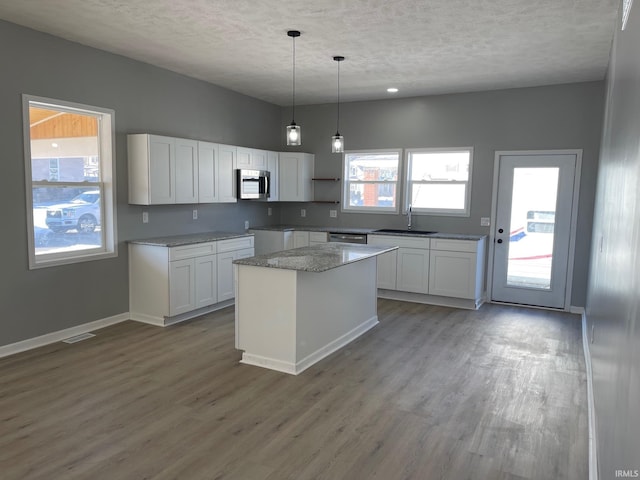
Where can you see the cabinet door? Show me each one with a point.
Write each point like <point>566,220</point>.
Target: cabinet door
<point>300,239</point>
<point>259,159</point>
<point>225,276</point>
<point>413,270</point>
<point>162,169</point>
<point>181,286</point>
<point>452,274</point>
<point>290,170</point>
<point>243,158</point>
<point>387,270</point>
<point>186,171</point>
<point>206,281</point>
<point>272,167</point>
<point>226,174</point>
<point>207,172</point>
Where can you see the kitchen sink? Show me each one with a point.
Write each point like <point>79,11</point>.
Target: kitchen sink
<point>405,231</point>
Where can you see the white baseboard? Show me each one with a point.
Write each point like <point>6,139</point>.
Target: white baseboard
<point>166,321</point>
<point>453,302</point>
<point>576,310</point>
<point>53,337</point>
<point>309,360</point>
<point>593,444</point>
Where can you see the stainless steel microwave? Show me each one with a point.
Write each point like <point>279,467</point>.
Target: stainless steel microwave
<point>254,184</point>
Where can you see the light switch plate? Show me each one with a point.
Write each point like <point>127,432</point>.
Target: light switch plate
<point>195,213</point>
<point>145,217</point>
<point>485,221</point>
<point>333,213</point>
<point>246,224</point>
<point>269,211</point>
<point>303,212</point>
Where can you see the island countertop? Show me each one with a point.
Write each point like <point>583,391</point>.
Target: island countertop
<point>189,239</point>
<point>318,258</point>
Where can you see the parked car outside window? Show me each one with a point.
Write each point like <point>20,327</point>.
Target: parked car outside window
<point>81,213</point>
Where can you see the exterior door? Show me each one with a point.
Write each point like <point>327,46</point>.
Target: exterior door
<point>533,228</point>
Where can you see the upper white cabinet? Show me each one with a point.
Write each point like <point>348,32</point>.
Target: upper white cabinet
<point>227,173</point>
<point>273,166</point>
<point>251,158</point>
<point>152,165</point>
<point>296,171</point>
<point>186,171</point>
<point>456,268</point>
<point>208,177</point>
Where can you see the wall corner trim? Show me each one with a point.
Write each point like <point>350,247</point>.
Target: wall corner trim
<point>53,337</point>
<point>593,444</point>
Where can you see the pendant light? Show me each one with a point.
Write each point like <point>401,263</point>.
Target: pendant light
<point>337,141</point>
<point>293,130</point>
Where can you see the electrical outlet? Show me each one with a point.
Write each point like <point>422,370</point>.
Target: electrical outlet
<point>145,217</point>
<point>269,211</point>
<point>195,213</point>
<point>333,213</point>
<point>246,224</point>
<point>303,212</point>
<point>485,221</point>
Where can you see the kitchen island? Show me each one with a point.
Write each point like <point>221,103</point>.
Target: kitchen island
<point>295,307</point>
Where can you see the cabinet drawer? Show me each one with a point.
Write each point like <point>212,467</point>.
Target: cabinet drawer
<point>235,244</point>
<point>400,241</point>
<point>454,245</point>
<point>318,237</point>
<point>244,253</point>
<point>190,251</point>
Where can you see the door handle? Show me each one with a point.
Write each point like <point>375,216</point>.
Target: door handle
<point>500,230</point>
<point>499,240</point>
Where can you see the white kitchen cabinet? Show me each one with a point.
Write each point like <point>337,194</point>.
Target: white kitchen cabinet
<point>227,174</point>
<point>182,293</point>
<point>228,251</point>
<point>269,241</point>
<point>413,270</point>
<point>170,284</point>
<point>152,164</point>
<point>162,170</point>
<point>208,178</point>
<point>300,239</point>
<point>296,171</point>
<point>273,166</point>
<point>251,158</point>
<point>456,268</point>
<point>387,262</point>
<point>186,170</point>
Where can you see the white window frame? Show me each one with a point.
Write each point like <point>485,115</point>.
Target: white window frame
<point>106,185</point>
<point>453,212</point>
<point>346,183</point>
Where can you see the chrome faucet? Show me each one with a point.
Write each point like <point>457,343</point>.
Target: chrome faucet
<point>409,217</point>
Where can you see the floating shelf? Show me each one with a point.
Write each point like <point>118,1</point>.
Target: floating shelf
<point>332,179</point>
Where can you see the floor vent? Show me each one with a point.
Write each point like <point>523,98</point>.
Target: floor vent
<point>78,338</point>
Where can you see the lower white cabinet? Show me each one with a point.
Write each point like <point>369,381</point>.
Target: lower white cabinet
<point>456,268</point>
<point>166,284</point>
<point>433,268</point>
<point>316,238</point>
<point>300,239</point>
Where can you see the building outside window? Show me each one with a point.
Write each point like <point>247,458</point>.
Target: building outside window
<point>371,181</point>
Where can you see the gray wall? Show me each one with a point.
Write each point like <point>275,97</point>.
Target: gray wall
<point>554,117</point>
<point>145,99</point>
<point>613,301</point>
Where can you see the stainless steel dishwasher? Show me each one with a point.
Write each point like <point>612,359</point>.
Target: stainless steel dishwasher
<point>348,237</point>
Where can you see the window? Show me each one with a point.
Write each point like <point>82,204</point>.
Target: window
<point>371,181</point>
<point>439,180</point>
<point>70,177</point>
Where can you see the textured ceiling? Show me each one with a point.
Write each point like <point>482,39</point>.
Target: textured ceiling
<point>421,47</point>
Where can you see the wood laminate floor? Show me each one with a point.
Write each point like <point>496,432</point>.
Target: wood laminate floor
<point>430,393</point>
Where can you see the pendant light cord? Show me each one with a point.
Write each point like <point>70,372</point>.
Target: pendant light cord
<point>338,122</point>
<point>293,111</point>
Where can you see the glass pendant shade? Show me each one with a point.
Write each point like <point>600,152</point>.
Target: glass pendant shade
<point>293,134</point>
<point>293,130</point>
<point>337,143</point>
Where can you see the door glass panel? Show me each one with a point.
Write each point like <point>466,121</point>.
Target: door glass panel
<point>531,232</point>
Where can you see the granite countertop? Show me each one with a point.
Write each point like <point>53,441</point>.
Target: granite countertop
<point>189,239</point>
<point>369,231</point>
<point>313,228</point>
<point>319,258</point>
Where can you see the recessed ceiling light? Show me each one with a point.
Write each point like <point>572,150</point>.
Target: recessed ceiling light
<point>392,90</point>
